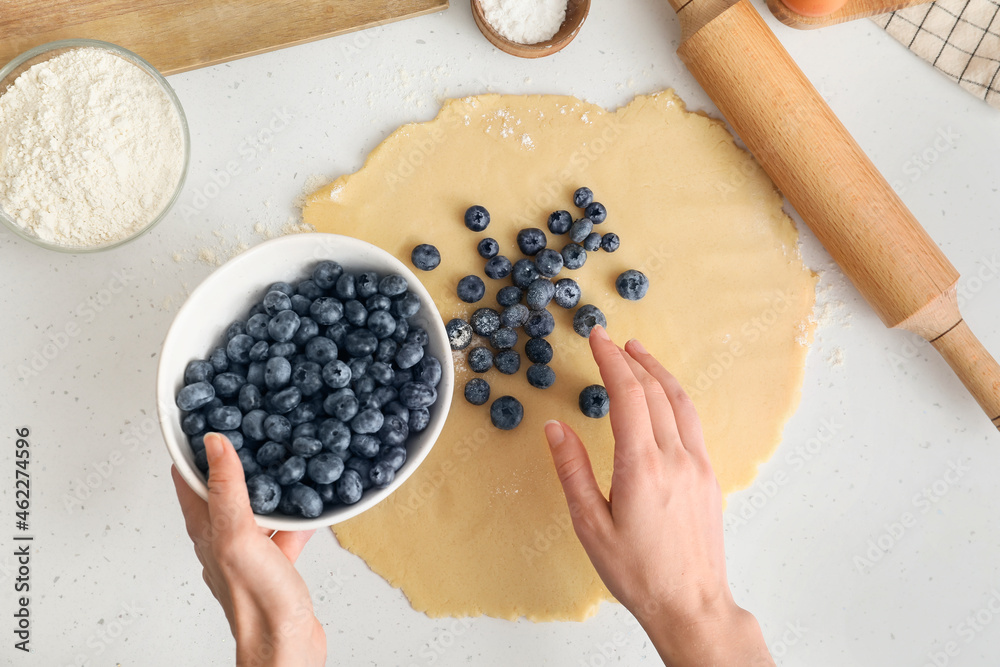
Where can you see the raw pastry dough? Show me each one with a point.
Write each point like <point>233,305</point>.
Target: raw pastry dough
<point>482,526</point>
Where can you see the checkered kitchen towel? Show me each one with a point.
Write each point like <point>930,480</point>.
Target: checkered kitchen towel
<point>959,37</point>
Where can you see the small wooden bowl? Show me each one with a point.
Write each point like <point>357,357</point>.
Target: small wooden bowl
<point>576,14</point>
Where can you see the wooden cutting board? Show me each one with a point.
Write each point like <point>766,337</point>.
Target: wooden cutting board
<point>179,35</point>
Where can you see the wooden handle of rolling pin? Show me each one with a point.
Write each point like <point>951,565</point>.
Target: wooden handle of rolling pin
<point>840,194</point>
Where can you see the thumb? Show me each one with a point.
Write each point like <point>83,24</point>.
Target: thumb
<point>576,476</point>
<point>228,501</point>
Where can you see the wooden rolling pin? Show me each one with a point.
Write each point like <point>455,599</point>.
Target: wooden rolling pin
<point>847,203</point>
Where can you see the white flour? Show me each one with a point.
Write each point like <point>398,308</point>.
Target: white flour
<point>91,149</point>
<point>525,21</point>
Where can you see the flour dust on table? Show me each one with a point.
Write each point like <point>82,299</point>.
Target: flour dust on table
<point>482,527</point>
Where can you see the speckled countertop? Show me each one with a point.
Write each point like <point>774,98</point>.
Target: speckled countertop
<point>886,450</point>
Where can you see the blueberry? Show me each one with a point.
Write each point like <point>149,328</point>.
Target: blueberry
<point>321,350</point>
<point>309,289</point>
<point>265,494</point>
<point>418,336</point>
<point>508,362</point>
<point>394,431</point>
<point>255,375</point>
<point>405,306</point>
<point>307,377</point>
<point>326,310</point>
<point>393,455</point>
<point>428,371</point>
<point>549,262</point>
<point>277,372</point>
<point>531,241</point>
<point>560,222</point>
<point>592,242</point>
<point>325,468</point>
<point>503,338</point>
<point>386,350</point>
<point>364,445</point>
<point>291,471</point>
<point>271,453</point>
<point>540,324</point>
<point>308,329</point>
<point>366,284</point>
<point>538,351</point>
<point>360,343</point>
<point>610,242</point>
<point>250,467</point>
<point>337,332</point>
<point>282,287</point>
<point>198,371</point>
<point>582,197</point>
<point>382,324</point>
<point>488,248</point>
<point>480,359</point>
<point>275,302</point>
<point>514,316</point>
<point>250,398</point>
<point>283,326</point>
<point>257,327</point>
<point>381,372</point>
<point>327,493</point>
<point>305,412</point>
<point>382,475</point>
<point>349,487</point>
<point>477,218</point>
<point>586,318</point>
<point>524,273</point>
<point>416,395</point>
<point>397,408</point>
<point>277,428</point>
<point>498,267</point>
<point>506,413</point>
<point>477,391</point>
<point>259,351</point>
<point>419,419</point>
<point>286,400</point>
<point>359,366</point>
<point>335,435</point>
<point>509,295</point>
<point>306,430</point>
<point>574,256</point>
<point>567,293</point>
<point>342,404</point>
<point>581,229</point>
<point>238,349</point>
<point>235,329</point>
<point>367,422</point>
<point>235,439</point>
<point>326,273</point>
<point>594,401</point>
<point>301,500</point>
<point>300,305</point>
<point>226,385</point>
<point>596,212</point>
<point>541,376</point>
<point>306,447</point>
<point>540,294</point>
<point>253,424</point>
<point>193,423</point>
<point>632,285</point>
<point>459,334</point>
<point>378,302</point>
<point>402,377</point>
<point>392,285</point>
<point>408,355</point>
<point>485,321</point>
<point>195,396</point>
<point>355,313</point>
<point>282,349</point>
<point>345,288</point>
<point>256,309</point>
<point>425,257</point>
<point>471,289</point>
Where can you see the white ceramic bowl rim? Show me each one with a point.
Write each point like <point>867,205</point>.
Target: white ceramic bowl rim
<point>310,250</point>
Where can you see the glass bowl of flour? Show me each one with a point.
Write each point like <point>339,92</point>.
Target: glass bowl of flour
<point>94,146</point>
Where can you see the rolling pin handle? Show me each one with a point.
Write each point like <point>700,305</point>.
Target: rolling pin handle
<point>974,365</point>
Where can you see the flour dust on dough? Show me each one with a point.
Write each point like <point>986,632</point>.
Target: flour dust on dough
<point>482,526</point>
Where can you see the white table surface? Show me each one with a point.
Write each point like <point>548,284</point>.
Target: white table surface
<point>114,578</point>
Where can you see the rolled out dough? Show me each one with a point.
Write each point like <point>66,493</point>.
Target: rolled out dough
<point>482,526</point>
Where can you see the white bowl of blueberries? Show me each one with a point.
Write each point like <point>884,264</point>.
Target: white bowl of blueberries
<point>324,360</point>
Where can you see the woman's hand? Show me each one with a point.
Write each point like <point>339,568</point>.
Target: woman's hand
<point>249,571</point>
<point>657,541</point>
